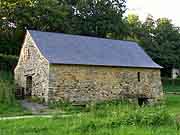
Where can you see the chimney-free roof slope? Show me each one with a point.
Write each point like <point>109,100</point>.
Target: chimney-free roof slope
<point>59,48</point>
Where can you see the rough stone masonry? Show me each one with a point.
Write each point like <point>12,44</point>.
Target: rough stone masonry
<point>94,83</point>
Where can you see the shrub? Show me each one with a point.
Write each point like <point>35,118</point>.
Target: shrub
<point>7,88</point>
<point>8,62</point>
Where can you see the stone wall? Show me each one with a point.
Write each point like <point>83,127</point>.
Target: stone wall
<point>77,83</point>
<point>32,63</point>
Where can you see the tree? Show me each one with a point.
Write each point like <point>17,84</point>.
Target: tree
<point>160,38</point>
<point>101,18</point>
<point>168,39</point>
<point>18,15</point>
<point>134,27</point>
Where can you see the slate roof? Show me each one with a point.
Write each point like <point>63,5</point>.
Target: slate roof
<point>59,48</point>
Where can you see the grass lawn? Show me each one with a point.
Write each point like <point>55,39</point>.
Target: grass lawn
<point>172,88</point>
<point>79,126</point>
<point>111,118</point>
<point>173,104</point>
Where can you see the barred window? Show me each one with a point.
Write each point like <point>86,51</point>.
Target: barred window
<point>26,54</point>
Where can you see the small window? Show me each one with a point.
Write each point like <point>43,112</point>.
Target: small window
<point>28,85</point>
<point>28,54</point>
<point>139,76</point>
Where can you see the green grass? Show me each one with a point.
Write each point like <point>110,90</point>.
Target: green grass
<point>77,126</point>
<point>171,88</point>
<point>110,118</point>
<point>12,110</point>
<point>173,104</point>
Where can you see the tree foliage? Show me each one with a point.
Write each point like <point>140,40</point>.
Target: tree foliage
<point>18,15</point>
<point>160,38</point>
<point>100,18</point>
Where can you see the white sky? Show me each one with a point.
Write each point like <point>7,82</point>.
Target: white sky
<point>157,8</point>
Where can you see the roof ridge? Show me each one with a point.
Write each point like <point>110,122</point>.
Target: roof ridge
<point>84,50</point>
<point>84,36</point>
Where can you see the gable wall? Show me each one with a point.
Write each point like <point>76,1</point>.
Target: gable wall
<point>77,83</point>
<point>32,63</point>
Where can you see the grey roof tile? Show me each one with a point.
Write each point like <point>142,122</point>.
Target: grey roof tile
<point>61,48</point>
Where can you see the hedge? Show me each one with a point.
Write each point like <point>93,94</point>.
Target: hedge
<point>8,62</point>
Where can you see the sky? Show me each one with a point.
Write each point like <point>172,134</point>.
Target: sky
<point>157,8</point>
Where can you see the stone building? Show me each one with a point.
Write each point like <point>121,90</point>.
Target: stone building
<point>80,69</point>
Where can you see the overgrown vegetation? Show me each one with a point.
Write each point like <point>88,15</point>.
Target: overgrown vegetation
<point>8,62</point>
<point>110,118</point>
<point>8,104</point>
<point>7,88</point>
<point>171,85</point>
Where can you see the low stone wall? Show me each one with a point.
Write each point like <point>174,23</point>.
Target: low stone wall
<point>77,83</point>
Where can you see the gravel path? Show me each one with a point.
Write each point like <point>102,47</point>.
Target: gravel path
<point>37,116</point>
<point>26,117</point>
<point>35,108</point>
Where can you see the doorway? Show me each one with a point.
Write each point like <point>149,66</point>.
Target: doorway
<point>28,92</point>
<point>142,101</point>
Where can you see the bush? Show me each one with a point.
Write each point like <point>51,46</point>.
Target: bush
<point>169,81</point>
<point>8,62</point>
<point>7,88</point>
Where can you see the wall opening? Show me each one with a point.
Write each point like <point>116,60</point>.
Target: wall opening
<point>19,93</point>
<point>28,86</point>
<point>142,101</point>
<point>139,76</point>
